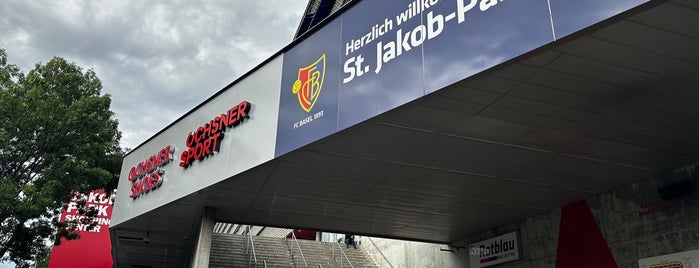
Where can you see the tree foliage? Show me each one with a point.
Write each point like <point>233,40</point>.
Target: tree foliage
<point>57,135</point>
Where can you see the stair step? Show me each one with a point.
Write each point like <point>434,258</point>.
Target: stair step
<point>228,250</point>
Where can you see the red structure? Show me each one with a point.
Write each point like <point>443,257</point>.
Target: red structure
<point>580,242</point>
<point>303,234</point>
<point>94,248</point>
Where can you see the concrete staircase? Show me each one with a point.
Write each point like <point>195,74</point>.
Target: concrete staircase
<point>328,255</point>
<point>228,250</point>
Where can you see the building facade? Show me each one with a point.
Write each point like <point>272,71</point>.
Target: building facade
<point>499,130</point>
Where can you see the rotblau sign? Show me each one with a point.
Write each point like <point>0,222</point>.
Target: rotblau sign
<point>494,251</point>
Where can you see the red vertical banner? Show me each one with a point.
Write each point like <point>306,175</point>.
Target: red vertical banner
<point>94,248</point>
<point>580,241</point>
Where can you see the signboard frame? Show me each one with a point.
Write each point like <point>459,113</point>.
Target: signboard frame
<point>497,250</point>
<point>674,260</point>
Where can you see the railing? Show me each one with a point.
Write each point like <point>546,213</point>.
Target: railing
<point>293,236</point>
<point>380,252</point>
<point>343,254</point>
<point>253,256</point>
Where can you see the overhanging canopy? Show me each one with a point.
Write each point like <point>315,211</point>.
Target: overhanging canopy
<point>600,109</point>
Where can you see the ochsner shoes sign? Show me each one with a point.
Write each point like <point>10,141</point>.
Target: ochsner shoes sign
<point>501,249</point>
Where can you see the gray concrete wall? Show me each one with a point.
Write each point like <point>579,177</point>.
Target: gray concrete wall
<point>538,240</point>
<point>538,236</point>
<point>635,221</point>
<point>202,247</point>
<point>406,254</point>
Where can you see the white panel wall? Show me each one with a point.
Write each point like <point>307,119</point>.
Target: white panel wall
<point>243,147</point>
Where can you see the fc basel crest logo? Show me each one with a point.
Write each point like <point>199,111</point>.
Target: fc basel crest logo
<point>309,83</point>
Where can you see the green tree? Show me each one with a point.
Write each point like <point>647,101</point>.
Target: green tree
<point>57,135</point>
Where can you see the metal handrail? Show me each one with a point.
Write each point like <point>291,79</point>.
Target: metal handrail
<point>343,254</point>
<point>252,244</point>
<point>293,236</point>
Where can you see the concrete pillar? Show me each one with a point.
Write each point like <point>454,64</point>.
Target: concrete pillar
<point>202,248</point>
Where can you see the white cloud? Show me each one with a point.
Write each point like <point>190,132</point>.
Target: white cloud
<point>176,52</point>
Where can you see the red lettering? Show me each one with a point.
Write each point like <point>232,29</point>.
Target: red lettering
<point>190,157</point>
<point>148,170</point>
<point>215,124</point>
<point>207,147</point>
<point>140,169</point>
<point>142,185</point>
<point>217,141</point>
<point>207,130</point>
<point>243,110</point>
<point>224,122</point>
<point>164,156</point>
<point>183,159</point>
<point>149,163</point>
<point>133,174</point>
<point>207,138</point>
<point>138,186</point>
<point>155,180</point>
<point>155,159</point>
<point>134,191</point>
<point>233,116</point>
<point>199,135</point>
<point>146,182</point>
<point>198,151</point>
<point>190,140</point>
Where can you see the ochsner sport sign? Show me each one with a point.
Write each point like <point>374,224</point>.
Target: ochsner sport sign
<point>501,249</point>
<point>206,140</point>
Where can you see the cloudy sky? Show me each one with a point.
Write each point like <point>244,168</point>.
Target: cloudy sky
<point>157,59</point>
